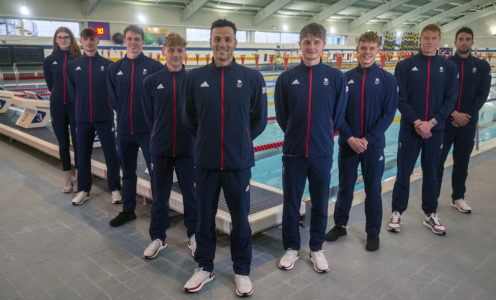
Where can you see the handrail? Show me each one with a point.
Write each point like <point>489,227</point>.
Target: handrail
<point>16,73</point>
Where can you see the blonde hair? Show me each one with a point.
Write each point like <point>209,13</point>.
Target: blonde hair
<point>175,40</point>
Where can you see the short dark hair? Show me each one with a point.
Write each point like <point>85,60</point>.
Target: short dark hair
<point>466,30</point>
<point>136,29</point>
<point>223,23</point>
<point>315,30</point>
<point>88,33</point>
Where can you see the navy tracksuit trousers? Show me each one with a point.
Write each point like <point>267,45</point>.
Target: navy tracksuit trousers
<point>294,175</point>
<point>372,161</point>
<point>128,146</point>
<point>409,147</point>
<point>63,116</point>
<point>162,175</point>
<point>85,138</point>
<point>236,188</point>
<point>462,139</point>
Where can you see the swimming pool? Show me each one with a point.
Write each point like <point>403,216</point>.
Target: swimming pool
<point>268,168</point>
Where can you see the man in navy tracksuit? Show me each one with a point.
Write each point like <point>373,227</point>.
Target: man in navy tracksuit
<point>124,85</point>
<point>310,101</point>
<point>474,84</point>
<point>86,86</point>
<point>372,103</point>
<point>427,95</point>
<point>171,145</point>
<point>226,108</point>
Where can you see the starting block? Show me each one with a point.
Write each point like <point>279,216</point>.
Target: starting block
<point>36,109</point>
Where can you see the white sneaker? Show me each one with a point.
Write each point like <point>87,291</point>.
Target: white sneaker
<point>154,248</point>
<point>198,280</point>
<point>192,244</point>
<point>116,197</point>
<point>461,205</point>
<point>288,259</point>
<point>319,261</point>
<point>69,186</point>
<point>434,223</point>
<point>244,288</point>
<point>395,222</point>
<point>81,197</point>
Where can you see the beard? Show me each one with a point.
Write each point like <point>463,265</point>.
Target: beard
<point>460,51</point>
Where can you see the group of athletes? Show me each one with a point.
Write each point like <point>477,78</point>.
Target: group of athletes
<point>202,124</point>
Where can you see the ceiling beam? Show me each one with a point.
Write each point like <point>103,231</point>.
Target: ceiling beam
<point>468,18</point>
<point>192,8</point>
<point>376,12</point>
<point>331,10</point>
<point>269,10</point>
<point>92,6</point>
<point>414,13</point>
<point>454,11</point>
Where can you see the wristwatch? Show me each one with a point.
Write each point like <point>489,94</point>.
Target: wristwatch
<point>433,122</point>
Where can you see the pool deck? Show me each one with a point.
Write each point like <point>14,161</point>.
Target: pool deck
<point>52,250</point>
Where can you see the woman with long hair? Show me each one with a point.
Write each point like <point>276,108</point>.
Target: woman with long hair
<point>62,109</point>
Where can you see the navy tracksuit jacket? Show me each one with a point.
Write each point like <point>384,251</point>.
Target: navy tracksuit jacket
<point>62,109</point>
<point>171,147</point>
<point>310,103</point>
<point>87,88</point>
<point>125,88</point>
<point>226,108</point>
<point>372,103</point>
<point>427,89</point>
<point>474,83</point>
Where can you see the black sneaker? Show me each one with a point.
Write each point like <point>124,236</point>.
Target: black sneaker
<point>122,218</point>
<point>372,242</point>
<point>335,233</point>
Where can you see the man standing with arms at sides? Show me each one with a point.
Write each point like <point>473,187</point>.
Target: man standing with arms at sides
<point>86,86</point>
<point>171,145</point>
<point>125,87</point>
<point>372,103</point>
<point>310,102</point>
<point>474,84</point>
<point>427,94</point>
<point>226,108</point>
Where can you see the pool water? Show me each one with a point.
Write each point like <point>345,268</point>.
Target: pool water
<point>268,169</point>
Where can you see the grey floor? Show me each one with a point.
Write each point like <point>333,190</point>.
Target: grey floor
<point>49,249</point>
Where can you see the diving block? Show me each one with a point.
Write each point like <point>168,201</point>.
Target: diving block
<point>36,109</point>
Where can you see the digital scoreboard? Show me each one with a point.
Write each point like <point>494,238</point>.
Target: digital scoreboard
<point>102,29</point>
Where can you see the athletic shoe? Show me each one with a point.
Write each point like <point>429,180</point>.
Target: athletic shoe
<point>198,280</point>
<point>192,244</point>
<point>434,223</point>
<point>395,223</point>
<point>461,205</point>
<point>122,218</point>
<point>69,186</point>
<point>81,197</point>
<point>319,261</point>
<point>372,242</point>
<point>288,259</point>
<point>154,248</point>
<point>335,233</point>
<point>116,197</point>
<point>244,288</point>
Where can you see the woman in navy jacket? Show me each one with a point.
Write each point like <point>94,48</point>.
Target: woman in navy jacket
<point>62,108</point>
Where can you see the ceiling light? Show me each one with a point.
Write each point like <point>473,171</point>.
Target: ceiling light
<point>24,10</point>
<point>332,29</point>
<point>141,18</point>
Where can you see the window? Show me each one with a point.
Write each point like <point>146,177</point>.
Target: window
<point>290,38</point>
<point>35,27</point>
<point>243,36</point>
<point>267,37</point>
<point>333,39</point>
<point>197,35</point>
<point>203,35</point>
